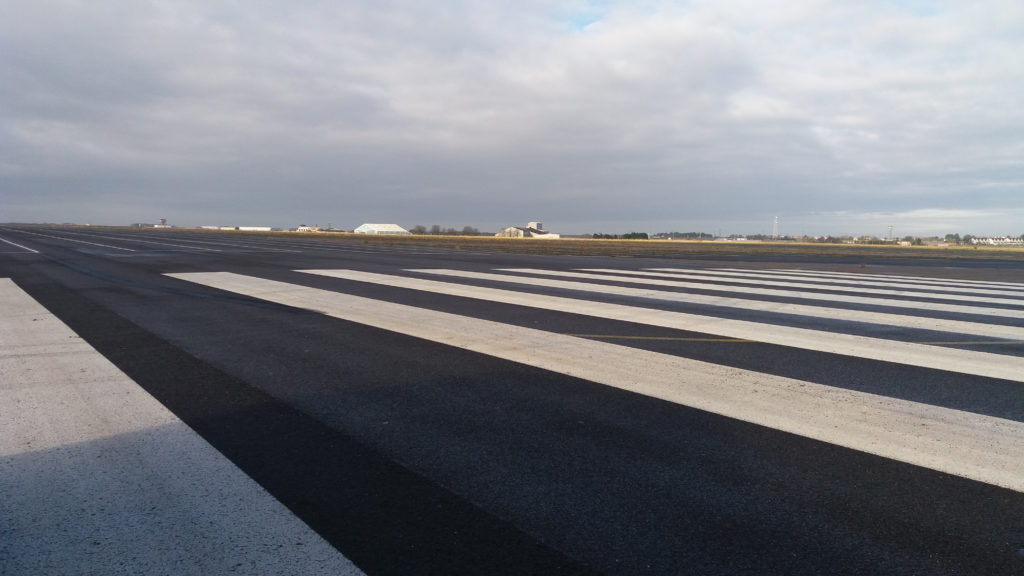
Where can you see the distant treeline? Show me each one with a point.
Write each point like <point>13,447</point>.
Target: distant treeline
<point>685,235</point>
<point>439,231</point>
<point>627,236</point>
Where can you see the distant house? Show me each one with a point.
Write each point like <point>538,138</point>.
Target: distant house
<point>380,229</point>
<point>531,230</point>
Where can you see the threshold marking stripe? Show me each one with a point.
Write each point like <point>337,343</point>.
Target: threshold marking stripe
<point>975,343</point>
<point>951,360</point>
<point>1017,300</point>
<point>915,279</point>
<point>20,246</point>
<point>738,340</point>
<point>687,297</point>
<point>974,446</point>
<point>159,497</point>
<point>664,338</point>
<point>815,311</point>
<point>815,282</point>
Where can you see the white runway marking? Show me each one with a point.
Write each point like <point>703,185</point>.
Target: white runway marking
<point>974,446</point>
<point>74,240</point>
<point>1014,333</point>
<point>97,477</point>
<point>19,246</point>
<point>685,297</point>
<point>818,282</point>
<point>908,279</point>
<point>1005,301</point>
<point>247,246</point>
<point>231,244</point>
<point>949,359</point>
<point>141,241</point>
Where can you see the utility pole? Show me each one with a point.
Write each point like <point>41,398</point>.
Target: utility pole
<point>775,229</point>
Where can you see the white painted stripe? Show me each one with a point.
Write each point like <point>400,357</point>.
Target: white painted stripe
<point>974,446</point>
<point>948,359</point>
<point>1013,300</point>
<point>818,282</point>
<point>684,297</point>
<point>186,246</point>
<point>262,248</point>
<point>816,311</point>
<point>19,246</point>
<point>916,279</point>
<point>74,240</point>
<point>98,477</point>
<point>141,241</point>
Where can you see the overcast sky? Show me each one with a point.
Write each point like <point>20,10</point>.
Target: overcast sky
<point>717,116</point>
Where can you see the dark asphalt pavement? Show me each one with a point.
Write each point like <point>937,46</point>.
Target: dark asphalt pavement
<point>413,457</point>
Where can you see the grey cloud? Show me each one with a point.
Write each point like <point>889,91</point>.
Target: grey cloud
<point>707,114</point>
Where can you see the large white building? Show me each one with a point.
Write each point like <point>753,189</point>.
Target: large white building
<point>531,230</point>
<point>999,241</point>
<point>380,229</point>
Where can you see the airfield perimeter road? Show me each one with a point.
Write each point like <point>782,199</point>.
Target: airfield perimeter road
<point>432,411</point>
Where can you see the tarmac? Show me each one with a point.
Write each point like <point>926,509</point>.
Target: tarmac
<point>98,477</point>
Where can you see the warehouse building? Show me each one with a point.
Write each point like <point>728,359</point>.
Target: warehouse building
<point>380,229</point>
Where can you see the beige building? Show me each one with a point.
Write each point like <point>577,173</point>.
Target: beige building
<point>531,230</point>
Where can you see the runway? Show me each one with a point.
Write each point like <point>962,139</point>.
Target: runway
<point>421,410</point>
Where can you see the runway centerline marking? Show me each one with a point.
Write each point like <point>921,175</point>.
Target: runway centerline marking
<point>975,446</point>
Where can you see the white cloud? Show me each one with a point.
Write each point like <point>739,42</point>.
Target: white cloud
<point>718,112</point>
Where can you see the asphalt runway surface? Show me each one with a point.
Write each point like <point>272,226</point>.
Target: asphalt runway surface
<point>404,410</point>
